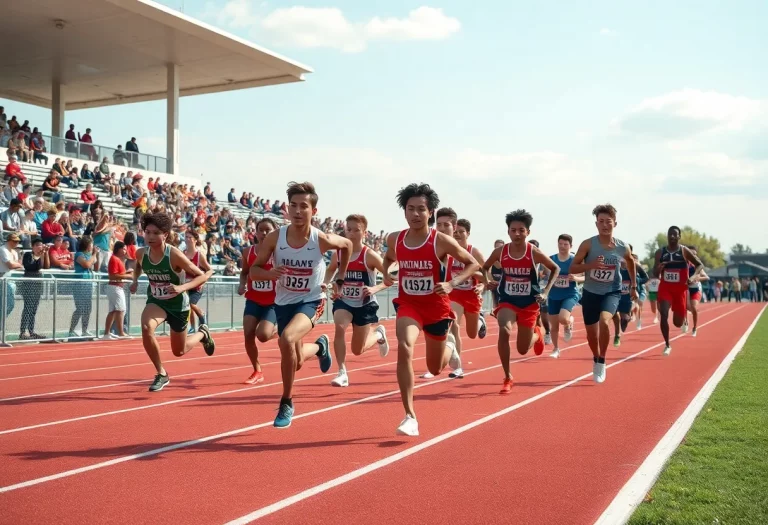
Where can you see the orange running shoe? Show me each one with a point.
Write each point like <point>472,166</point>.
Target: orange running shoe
<point>538,346</point>
<point>507,388</point>
<point>256,377</point>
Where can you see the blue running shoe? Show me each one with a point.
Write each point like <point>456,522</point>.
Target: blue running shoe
<point>324,354</point>
<point>284,416</point>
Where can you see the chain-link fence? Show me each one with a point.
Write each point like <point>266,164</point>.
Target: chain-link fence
<point>68,309</point>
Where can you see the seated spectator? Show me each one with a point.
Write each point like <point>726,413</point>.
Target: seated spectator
<point>86,173</point>
<point>5,137</point>
<point>12,220</point>
<point>60,255</point>
<point>231,197</point>
<point>230,270</point>
<point>17,146</point>
<point>40,213</point>
<point>77,222</point>
<point>51,186</point>
<point>12,190</point>
<point>104,168</point>
<point>244,201</point>
<point>72,180</point>
<point>88,197</point>
<point>28,226</point>
<point>50,228</point>
<point>228,252</point>
<point>37,145</point>
<point>13,169</point>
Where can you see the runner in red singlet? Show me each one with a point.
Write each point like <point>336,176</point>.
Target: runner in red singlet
<point>192,251</point>
<point>259,319</point>
<point>423,302</point>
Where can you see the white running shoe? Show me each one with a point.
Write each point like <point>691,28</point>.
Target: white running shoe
<point>383,343</point>
<point>457,374</point>
<point>408,427</point>
<point>568,332</point>
<point>693,333</point>
<point>639,324</point>
<point>555,353</point>
<point>427,375</point>
<point>667,350</point>
<point>455,361</point>
<point>547,339</point>
<point>684,328</point>
<point>600,377</point>
<point>341,379</point>
<point>655,320</point>
<point>595,372</point>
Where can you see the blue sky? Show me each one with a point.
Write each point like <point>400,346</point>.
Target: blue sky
<point>658,107</point>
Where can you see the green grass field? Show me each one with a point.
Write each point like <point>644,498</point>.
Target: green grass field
<point>719,474</point>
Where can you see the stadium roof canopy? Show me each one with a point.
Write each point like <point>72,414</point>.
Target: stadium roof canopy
<point>106,52</point>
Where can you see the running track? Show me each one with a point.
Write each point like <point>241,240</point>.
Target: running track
<point>82,441</point>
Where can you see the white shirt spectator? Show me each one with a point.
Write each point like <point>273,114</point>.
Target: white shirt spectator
<point>30,227</point>
<point>7,256</point>
<point>13,220</point>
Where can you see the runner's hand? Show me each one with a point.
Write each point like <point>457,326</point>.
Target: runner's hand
<point>443,288</point>
<point>335,292</point>
<point>388,279</point>
<point>492,285</point>
<point>275,273</point>
<point>134,287</point>
<point>541,298</point>
<point>367,291</point>
<point>241,289</point>
<point>633,294</point>
<point>479,288</point>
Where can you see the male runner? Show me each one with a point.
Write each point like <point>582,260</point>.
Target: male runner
<point>600,258</point>
<point>653,290</point>
<point>671,266</point>
<point>694,293</point>
<point>564,295</point>
<point>167,300</point>
<point>642,292</point>
<point>520,291</point>
<point>626,304</point>
<point>259,318</point>
<point>299,269</point>
<point>356,302</point>
<point>543,320</point>
<point>423,302</point>
<point>496,274</point>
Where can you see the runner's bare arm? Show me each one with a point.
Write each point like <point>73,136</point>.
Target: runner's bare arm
<point>657,266</point>
<point>267,248</point>
<point>478,255</point>
<point>374,260</point>
<point>578,265</point>
<point>692,258</point>
<point>204,263</point>
<point>632,269</point>
<point>390,258</point>
<point>137,271</point>
<point>448,246</point>
<point>181,262</point>
<point>547,262</point>
<point>332,267</point>
<point>331,241</point>
<point>244,273</point>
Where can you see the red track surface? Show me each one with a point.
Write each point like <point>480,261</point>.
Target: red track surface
<point>73,419</point>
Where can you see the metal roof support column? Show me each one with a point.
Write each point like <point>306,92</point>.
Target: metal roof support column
<point>58,106</point>
<point>172,131</point>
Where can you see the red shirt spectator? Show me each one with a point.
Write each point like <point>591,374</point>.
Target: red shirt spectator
<point>87,195</point>
<point>51,228</point>
<point>60,256</point>
<point>13,169</point>
<point>115,267</point>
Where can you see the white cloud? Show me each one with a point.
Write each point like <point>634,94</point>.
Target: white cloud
<point>608,32</point>
<point>689,112</point>
<point>328,27</point>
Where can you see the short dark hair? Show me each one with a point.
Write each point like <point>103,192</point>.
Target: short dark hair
<point>499,240</point>
<point>118,246</point>
<point>565,237</point>
<point>84,243</point>
<point>447,212</point>
<point>607,209</point>
<point>464,223</point>
<point>679,231</point>
<point>37,240</point>
<point>162,221</point>
<point>302,188</point>
<point>419,190</point>
<point>534,242</point>
<point>267,220</point>
<point>520,216</point>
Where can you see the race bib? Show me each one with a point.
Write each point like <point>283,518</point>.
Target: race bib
<point>517,288</point>
<point>653,285</point>
<point>671,276</point>
<point>296,283</point>
<point>562,282</point>
<point>625,287</point>
<point>604,275</point>
<point>352,291</point>
<point>162,290</point>
<point>262,286</point>
<point>418,285</point>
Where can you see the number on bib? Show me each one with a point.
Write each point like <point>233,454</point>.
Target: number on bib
<point>671,277</point>
<point>603,276</point>
<point>262,286</point>
<point>352,290</point>
<point>418,285</point>
<point>517,288</point>
<point>162,290</point>
<point>562,282</point>
<point>296,284</point>
<point>625,287</point>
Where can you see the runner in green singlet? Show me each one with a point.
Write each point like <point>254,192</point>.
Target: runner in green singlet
<point>167,298</point>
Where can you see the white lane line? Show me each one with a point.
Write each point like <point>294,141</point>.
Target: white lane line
<point>194,442</point>
<point>350,476</point>
<point>633,492</point>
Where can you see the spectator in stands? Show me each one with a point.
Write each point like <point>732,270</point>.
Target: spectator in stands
<point>5,137</point>
<point>86,173</point>
<point>28,227</point>
<point>18,146</point>
<point>132,149</point>
<point>13,124</point>
<point>37,145</point>
<point>77,222</point>
<point>40,214</point>
<point>104,168</point>
<point>13,169</point>
<point>9,261</point>
<point>228,252</point>
<point>12,190</point>
<point>244,201</point>
<point>86,147</point>
<point>70,145</point>
<point>86,262</point>
<point>116,292</point>
<point>31,288</point>
<point>3,118</point>
<point>130,250</point>
<point>72,180</point>
<point>60,256</point>
<point>51,228</point>
<point>88,197</point>
<point>51,186</point>
<point>101,237</point>
<point>231,197</point>
<point>12,220</point>
<point>119,156</point>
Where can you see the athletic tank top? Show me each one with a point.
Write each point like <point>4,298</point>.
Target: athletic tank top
<point>653,285</point>
<point>497,273</point>
<point>454,268</point>
<point>519,284</point>
<point>419,273</point>
<point>196,261</point>
<point>305,269</point>
<point>625,282</point>
<point>602,282</point>
<point>695,287</point>
<point>675,273</point>
<point>260,292</point>
<point>564,287</point>
<point>161,277</point>
<point>357,278</point>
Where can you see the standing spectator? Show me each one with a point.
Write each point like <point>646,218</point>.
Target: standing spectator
<point>116,292</point>
<point>31,288</point>
<point>132,150</point>
<point>86,260</point>
<point>70,146</point>
<point>86,147</point>
<point>9,260</point>
<point>119,156</point>
<point>101,237</point>
<point>37,145</point>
